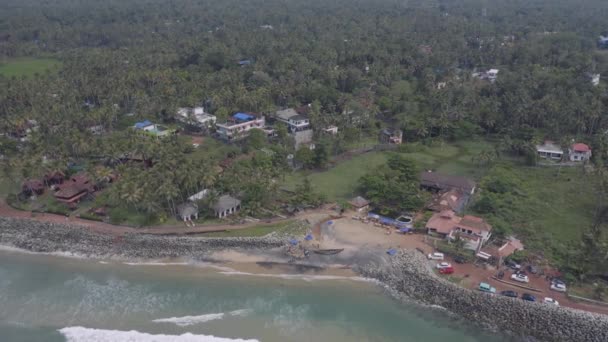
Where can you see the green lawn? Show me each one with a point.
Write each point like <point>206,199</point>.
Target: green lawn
<point>27,66</point>
<point>339,182</point>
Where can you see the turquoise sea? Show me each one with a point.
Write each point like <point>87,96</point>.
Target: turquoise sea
<point>52,298</point>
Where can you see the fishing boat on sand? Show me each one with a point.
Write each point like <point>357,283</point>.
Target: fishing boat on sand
<point>328,251</point>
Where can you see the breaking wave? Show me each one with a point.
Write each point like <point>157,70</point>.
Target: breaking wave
<point>192,320</point>
<point>305,277</point>
<point>78,334</point>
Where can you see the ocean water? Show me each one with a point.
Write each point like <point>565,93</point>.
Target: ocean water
<point>50,298</point>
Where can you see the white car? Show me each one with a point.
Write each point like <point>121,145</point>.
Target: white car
<point>443,265</point>
<point>558,286</point>
<point>435,256</point>
<point>522,278</point>
<point>549,300</point>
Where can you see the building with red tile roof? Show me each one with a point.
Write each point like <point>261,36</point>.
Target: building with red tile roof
<point>470,228</point>
<point>579,152</point>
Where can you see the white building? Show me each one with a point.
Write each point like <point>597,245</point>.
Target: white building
<point>579,152</point>
<point>549,150</point>
<point>239,125</point>
<point>296,122</point>
<point>196,117</point>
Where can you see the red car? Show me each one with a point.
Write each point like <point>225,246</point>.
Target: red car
<point>447,270</point>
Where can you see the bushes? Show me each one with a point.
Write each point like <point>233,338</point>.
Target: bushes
<point>130,217</point>
<point>55,207</point>
<point>89,216</point>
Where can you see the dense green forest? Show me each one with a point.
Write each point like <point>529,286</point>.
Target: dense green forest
<point>361,64</point>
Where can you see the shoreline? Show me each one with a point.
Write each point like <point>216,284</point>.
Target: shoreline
<point>406,276</point>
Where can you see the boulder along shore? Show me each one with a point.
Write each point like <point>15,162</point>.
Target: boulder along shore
<point>407,275</point>
<point>45,237</point>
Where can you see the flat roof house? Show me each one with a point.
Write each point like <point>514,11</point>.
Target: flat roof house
<point>550,150</point>
<point>239,125</point>
<point>436,181</point>
<point>196,117</point>
<point>152,129</point>
<point>295,121</point>
<point>579,152</point>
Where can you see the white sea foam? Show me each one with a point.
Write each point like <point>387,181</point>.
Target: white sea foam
<point>78,334</point>
<point>182,263</point>
<point>192,320</point>
<point>305,277</point>
<point>57,254</point>
<point>154,263</point>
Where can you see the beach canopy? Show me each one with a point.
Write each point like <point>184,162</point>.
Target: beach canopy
<point>293,242</point>
<point>308,237</point>
<point>391,251</point>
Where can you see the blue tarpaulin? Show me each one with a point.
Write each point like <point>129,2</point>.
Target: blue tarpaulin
<point>293,242</point>
<point>142,124</point>
<point>243,116</point>
<point>329,223</point>
<point>308,237</point>
<point>388,221</point>
<point>404,230</point>
<point>391,251</point>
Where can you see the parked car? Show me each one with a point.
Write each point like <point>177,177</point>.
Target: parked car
<point>447,270</point>
<point>522,278</point>
<point>511,294</point>
<point>443,265</point>
<point>549,300</point>
<point>528,297</point>
<point>558,285</point>
<point>532,269</point>
<point>485,287</point>
<point>512,264</point>
<point>459,260</point>
<point>435,256</point>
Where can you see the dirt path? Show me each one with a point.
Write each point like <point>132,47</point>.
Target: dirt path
<point>118,230</point>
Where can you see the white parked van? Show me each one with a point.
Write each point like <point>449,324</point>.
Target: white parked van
<point>435,256</point>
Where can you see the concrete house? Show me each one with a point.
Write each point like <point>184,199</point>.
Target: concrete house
<point>579,152</point>
<point>148,128</point>
<point>298,125</point>
<point>196,117</point>
<point>239,125</point>
<point>226,205</point>
<point>550,150</point>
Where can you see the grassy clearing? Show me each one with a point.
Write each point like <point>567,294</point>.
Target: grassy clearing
<point>339,182</point>
<point>27,66</point>
<point>546,207</point>
<point>260,230</point>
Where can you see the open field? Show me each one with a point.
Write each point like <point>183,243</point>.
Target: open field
<point>27,66</point>
<point>340,182</point>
